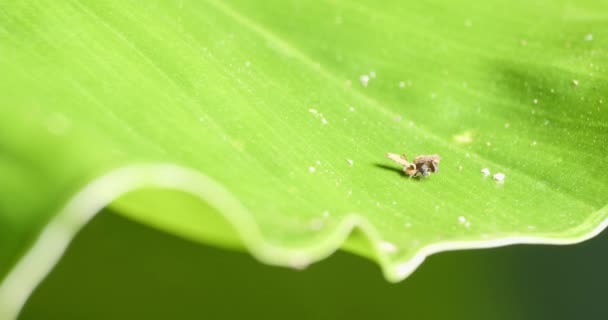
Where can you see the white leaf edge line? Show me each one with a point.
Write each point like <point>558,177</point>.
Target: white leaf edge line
<point>54,239</point>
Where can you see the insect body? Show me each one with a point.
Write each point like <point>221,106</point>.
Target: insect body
<point>422,166</point>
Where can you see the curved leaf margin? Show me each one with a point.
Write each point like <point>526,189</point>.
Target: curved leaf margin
<point>54,239</point>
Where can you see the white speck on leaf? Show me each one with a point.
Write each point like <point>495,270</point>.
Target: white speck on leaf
<point>351,109</point>
<point>535,101</point>
<point>575,82</point>
<point>407,225</point>
<point>500,177</point>
<point>350,162</point>
<point>311,169</point>
<point>589,37</point>
<point>364,80</point>
<point>319,115</point>
<point>401,84</point>
<point>465,137</point>
<point>372,74</point>
<point>485,171</point>
<point>507,125</point>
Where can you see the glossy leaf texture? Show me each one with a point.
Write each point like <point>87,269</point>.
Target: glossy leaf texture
<point>264,126</point>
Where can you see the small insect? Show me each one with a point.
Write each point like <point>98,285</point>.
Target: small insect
<point>422,166</point>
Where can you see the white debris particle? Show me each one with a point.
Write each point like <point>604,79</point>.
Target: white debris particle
<point>387,247</point>
<point>351,109</point>
<point>311,169</point>
<point>488,143</point>
<point>247,64</point>
<point>485,171</point>
<point>407,225</point>
<point>533,143</point>
<point>318,162</point>
<point>575,82</point>
<point>401,84</point>
<point>500,177</point>
<point>364,80</point>
<point>349,193</point>
<point>467,224</point>
<point>459,167</point>
<point>462,219</point>
<point>325,214</point>
<point>350,162</point>
<point>372,74</point>
<point>319,115</point>
<point>589,37</point>
<point>465,137</point>
<point>507,125</point>
<point>535,101</point>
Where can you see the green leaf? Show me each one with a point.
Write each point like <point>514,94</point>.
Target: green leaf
<point>247,125</point>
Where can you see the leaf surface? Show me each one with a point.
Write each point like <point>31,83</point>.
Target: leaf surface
<point>264,126</point>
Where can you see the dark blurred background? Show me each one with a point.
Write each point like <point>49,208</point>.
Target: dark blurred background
<point>118,269</point>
